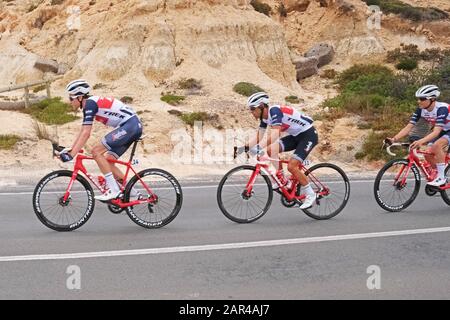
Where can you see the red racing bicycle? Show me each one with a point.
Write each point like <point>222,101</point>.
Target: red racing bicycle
<point>245,193</point>
<point>397,184</point>
<point>64,200</point>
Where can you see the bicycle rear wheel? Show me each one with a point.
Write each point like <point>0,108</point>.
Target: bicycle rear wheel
<point>396,186</point>
<point>167,193</point>
<point>233,200</point>
<point>332,188</point>
<point>50,207</point>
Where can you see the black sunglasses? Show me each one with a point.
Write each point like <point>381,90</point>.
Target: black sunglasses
<point>423,99</point>
<point>72,98</point>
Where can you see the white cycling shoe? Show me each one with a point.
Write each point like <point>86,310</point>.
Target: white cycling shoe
<point>438,182</point>
<point>308,202</point>
<point>108,195</point>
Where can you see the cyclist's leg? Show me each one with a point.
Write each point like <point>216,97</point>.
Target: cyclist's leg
<point>116,143</point>
<point>439,155</point>
<point>98,153</point>
<point>306,141</point>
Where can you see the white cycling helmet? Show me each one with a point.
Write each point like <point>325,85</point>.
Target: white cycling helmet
<point>78,88</point>
<point>257,98</point>
<point>429,92</point>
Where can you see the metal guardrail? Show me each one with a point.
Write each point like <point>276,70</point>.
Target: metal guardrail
<point>29,85</point>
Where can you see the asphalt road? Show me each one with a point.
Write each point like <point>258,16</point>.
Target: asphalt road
<point>324,259</point>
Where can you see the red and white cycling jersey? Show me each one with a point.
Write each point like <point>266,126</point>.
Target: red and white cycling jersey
<point>109,111</point>
<point>291,121</point>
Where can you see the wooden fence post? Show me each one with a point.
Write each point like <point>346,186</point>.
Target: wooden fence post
<point>47,85</point>
<point>27,97</point>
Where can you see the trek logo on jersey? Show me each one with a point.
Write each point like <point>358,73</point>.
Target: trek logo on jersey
<point>119,135</point>
<point>113,114</point>
<point>297,121</point>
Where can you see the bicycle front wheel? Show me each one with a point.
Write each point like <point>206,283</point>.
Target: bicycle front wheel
<point>55,212</point>
<point>165,192</point>
<point>235,202</point>
<point>396,185</point>
<point>332,189</point>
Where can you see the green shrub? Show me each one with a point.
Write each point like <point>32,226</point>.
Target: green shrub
<point>51,111</point>
<point>190,83</point>
<point>408,11</point>
<point>246,89</point>
<point>8,141</point>
<point>190,118</point>
<point>172,99</point>
<point>126,99</point>
<point>292,99</point>
<point>261,7</point>
<point>356,71</point>
<point>407,64</point>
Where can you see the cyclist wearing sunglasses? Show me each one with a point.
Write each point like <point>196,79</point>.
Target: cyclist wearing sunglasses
<point>302,137</point>
<point>112,113</point>
<point>437,114</point>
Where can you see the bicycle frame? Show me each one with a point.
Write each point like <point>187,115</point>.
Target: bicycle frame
<point>263,167</point>
<point>79,167</point>
<point>413,158</point>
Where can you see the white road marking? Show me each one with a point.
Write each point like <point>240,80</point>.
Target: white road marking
<point>225,246</point>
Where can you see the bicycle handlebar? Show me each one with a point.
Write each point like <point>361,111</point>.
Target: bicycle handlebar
<point>388,144</point>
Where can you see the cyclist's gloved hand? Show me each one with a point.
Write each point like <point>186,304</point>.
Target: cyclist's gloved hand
<point>240,150</point>
<point>256,151</point>
<point>65,156</point>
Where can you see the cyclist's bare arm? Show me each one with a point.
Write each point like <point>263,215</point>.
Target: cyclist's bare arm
<point>428,138</point>
<point>272,136</point>
<point>81,140</point>
<point>257,138</point>
<point>403,133</point>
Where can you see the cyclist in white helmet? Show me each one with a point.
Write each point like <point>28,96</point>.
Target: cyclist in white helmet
<point>112,113</point>
<point>301,137</point>
<point>437,114</point>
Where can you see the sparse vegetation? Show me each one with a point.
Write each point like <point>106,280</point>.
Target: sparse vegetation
<point>261,7</point>
<point>41,131</point>
<point>39,88</point>
<point>51,111</point>
<point>292,99</point>
<point>126,99</point>
<point>408,11</point>
<point>190,83</point>
<point>411,51</point>
<point>99,86</point>
<point>172,99</point>
<point>246,89</point>
<point>385,100</point>
<point>56,2</point>
<point>407,64</point>
<point>190,118</point>
<point>328,74</point>
<point>282,10</point>
<point>8,141</point>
